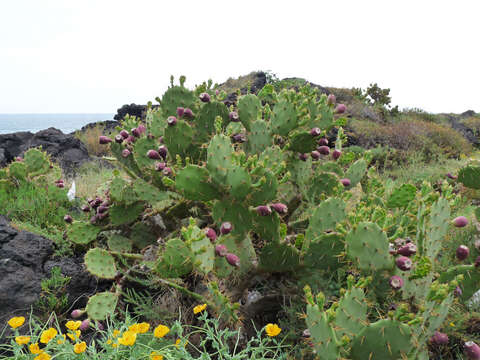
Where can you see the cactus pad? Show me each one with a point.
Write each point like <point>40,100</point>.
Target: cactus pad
<point>356,172</point>
<point>36,162</point>
<point>402,196</point>
<point>302,142</point>
<point>284,118</point>
<point>195,184</point>
<point>82,233</point>
<point>324,252</point>
<point>176,96</point>
<point>351,314</point>
<point>259,138</point>
<point>119,243</point>
<point>205,120</point>
<point>470,176</point>
<point>101,305</point>
<point>140,149</point>
<point>323,335</point>
<point>325,217</point>
<point>100,263</point>
<point>179,138</point>
<point>219,158</point>
<point>279,257</point>
<point>248,107</point>
<point>176,260</point>
<point>120,214</point>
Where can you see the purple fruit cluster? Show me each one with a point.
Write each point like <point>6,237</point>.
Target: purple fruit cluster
<point>265,210</point>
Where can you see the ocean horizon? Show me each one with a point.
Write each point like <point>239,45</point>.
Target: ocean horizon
<point>67,123</point>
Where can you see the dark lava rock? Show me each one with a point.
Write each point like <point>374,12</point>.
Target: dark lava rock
<point>65,148</point>
<point>259,82</point>
<point>109,126</point>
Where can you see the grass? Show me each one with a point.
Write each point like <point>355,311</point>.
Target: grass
<point>90,138</point>
<point>91,177</point>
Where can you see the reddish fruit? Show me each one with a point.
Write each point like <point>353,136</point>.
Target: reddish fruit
<point>345,182</point>
<point>226,228</point>
<point>462,252</point>
<point>141,129</point>
<point>159,166</point>
<point>163,151</point>
<point>171,120</point>
<point>340,109</point>
<point>324,150</point>
<point>336,154</point>
<point>60,185</point>
<point>460,221</point>
<point>180,111</point>
<point>323,142</point>
<point>211,234</point>
<point>403,263</point>
<point>233,116</point>
<point>130,139</point>
<point>93,219</point>
<point>458,291</point>
<point>18,158</point>
<point>239,138</point>
<point>135,132</point>
<point>439,338</point>
<point>391,249</point>
<point>280,208</point>
<point>217,92</point>
<point>119,139</point>
<point>233,259</point>
<point>68,219</point>
<point>188,113</point>
<point>453,177</point>
<point>102,216</point>
<point>407,249</point>
<point>85,208</point>
<point>84,325</point>
<point>101,209</point>
<point>315,131</point>
<point>472,350</point>
<point>396,282</point>
<point>315,155</point>
<point>124,134</point>
<point>331,99</point>
<point>160,139</point>
<point>263,210</point>
<point>152,154</point>
<point>303,157</point>
<point>77,313</point>
<point>104,140</point>
<point>167,171</point>
<point>204,97</point>
<point>221,250</point>
<point>125,153</point>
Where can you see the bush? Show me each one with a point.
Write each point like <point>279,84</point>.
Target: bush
<point>90,138</point>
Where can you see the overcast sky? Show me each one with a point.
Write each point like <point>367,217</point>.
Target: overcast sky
<point>95,55</point>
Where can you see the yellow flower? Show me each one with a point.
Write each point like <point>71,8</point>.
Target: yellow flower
<point>452,324</point>
<point>16,322</point>
<point>128,338</point>
<point>74,335</point>
<point>156,356</point>
<point>199,308</point>
<point>22,340</point>
<point>80,347</point>
<point>42,356</point>
<point>48,335</point>
<point>73,325</point>
<point>114,345</point>
<point>141,328</point>
<point>272,329</point>
<point>60,341</point>
<point>116,332</point>
<point>109,341</point>
<point>34,349</point>
<point>160,331</point>
<point>177,343</point>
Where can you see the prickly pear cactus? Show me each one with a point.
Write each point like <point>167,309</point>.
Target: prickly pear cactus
<point>470,176</point>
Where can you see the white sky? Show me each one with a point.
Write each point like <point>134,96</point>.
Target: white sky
<point>96,55</point>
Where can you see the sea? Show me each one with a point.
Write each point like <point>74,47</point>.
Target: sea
<point>10,123</point>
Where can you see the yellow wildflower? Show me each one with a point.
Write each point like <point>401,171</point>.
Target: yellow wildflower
<point>155,356</point>
<point>160,331</point>
<point>114,345</point>
<point>42,356</point>
<point>177,343</point>
<point>141,328</point>
<point>80,347</point>
<point>452,324</point>
<point>48,335</point>
<point>16,322</point>
<point>128,338</point>
<point>74,335</point>
<point>73,325</point>
<point>199,308</point>
<point>60,341</point>
<point>22,340</point>
<point>34,349</point>
<point>116,332</point>
<point>272,329</point>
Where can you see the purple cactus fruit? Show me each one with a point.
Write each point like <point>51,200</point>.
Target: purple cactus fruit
<point>171,120</point>
<point>101,209</point>
<point>303,157</point>
<point>77,313</point>
<point>96,203</point>
<point>458,291</point>
<point>204,97</point>
<point>315,131</point>
<point>226,228</point>
<point>130,139</point>
<point>211,234</point>
<point>323,142</point>
<point>336,154</point>
<point>391,249</point>
<point>403,263</point>
<point>125,153</point>
<point>104,140</point>
<point>239,138</point>
<point>84,325</point>
<point>233,259</point>
<point>180,111</point>
<point>159,166</point>
<point>19,159</point>
<point>68,219</point>
<point>345,182</point>
<point>85,208</point>
<point>460,221</point>
<point>221,250</point>
<point>331,99</point>
<point>118,139</point>
<point>124,134</point>
<point>93,219</point>
<point>450,176</point>
<point>103,215</point>
<point>233,116</point>
<point>396,282</point>
<point>315,155</point>
<point>324,150</point>
<point>153,154</point>
<point>135,132</point>
<point>408,249</point>
<point>279,208</point>
<point>340,109</point>
<point>167,171</point>
<point>477,261</point>
<point>188,113</point>
<point>217,92</point>
<point>99,325</point>
<point>472,350</point>
<point>439,338</point>
<point>141,129</point>
<point>462,252</point>
<point>60,185</point>
<point>163,151</point>
<point>263,210</point>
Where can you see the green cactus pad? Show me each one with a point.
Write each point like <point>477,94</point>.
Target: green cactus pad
<point>351,314</point>
<point>302,142</point>
<point>323,335</point>
<point>248,107</point>
<point>119,243</point>
<point>179,139</point>
<point>140,149</point>
<point>259,138</point>
<point>176,96</point>
<point>6,185</point>
<point>17,170</point>
<point>205,120</point>
<point>356,172</point>
<point>333,167</point>
<point>234,212</point>
<point>325,217</point>
<point>203,251</point>
<point>367,246</point>
<point>141,235</point>
<point>36,162</point>
<point>82,233</point>
<point>267,227</point>
<point>382,340</point>
<point>477,213</point>
<point>324,252</point>
<point>241,246</point>
<point>470,176</point>
<point>128,162</point>
<point>120,214</point>
<point>219,158</point>
<point>437,228</point>
<point>402,196</point>
<point>101,305</point>
<point>147,192</point>
<point>176,260</point>
<point>264,193</point>
<point>323,183</point>
<point>284,118</point>
<point>156,122</point>
<point>239,183</point>
<point>279,257</point>
<point>471,279</point>
<point>100,263</point>
<point>195,183</point>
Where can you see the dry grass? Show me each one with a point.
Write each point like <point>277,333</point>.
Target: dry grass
<point>90,138</point>
<point>231,85</point>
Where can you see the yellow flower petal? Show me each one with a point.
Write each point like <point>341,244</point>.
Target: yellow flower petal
<point>80,347</point>
<point>143,327</point>
<point>199,308</point>
<point>22,340</point>
<point>34,349</point>
<point>42,356</point>
<point>128,338</point>
<point>73,325</point>
<point>16,322</point>
<point>160,331</point>
<point>116,332</point>
<point>272,329</point>
<point>155,356</point>
<point>178,341</point>
<point>48,335</point>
